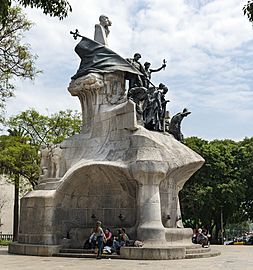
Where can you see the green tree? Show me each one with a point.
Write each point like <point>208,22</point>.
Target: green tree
<point>59,8</point>
<point>16,59</point>
<point>244,163</point>
<point>41,129</point>
<point>19,158</point>
<point>18,161</point>
<point>34,130</point>
<point>216,187</point>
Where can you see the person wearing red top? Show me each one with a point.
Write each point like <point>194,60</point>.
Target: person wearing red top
<point>108,238</point>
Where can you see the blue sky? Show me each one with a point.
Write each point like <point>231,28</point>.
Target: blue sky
<point>207,45</point>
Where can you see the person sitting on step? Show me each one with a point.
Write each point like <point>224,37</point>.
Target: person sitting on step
<point>121,240</point>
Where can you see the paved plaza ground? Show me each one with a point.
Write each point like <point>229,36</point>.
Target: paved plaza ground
<point>232,257</point>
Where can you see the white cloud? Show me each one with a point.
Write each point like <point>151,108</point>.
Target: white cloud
<point>207,45</point>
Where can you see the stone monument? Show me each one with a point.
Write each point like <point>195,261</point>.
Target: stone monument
<point>115,170</point>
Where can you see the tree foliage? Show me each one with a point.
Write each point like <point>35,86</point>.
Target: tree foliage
<point>16,59</point>
<point>18,158</point>
<point>18,161</point>
<point>248,10</point>
<point>27,132</point>
<point>244,163</point>
<point>55,8</point>
<point>223,183</point>
<point>41,129</point>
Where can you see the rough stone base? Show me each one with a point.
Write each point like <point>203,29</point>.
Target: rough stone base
<point>179,236</point>
<point>152,253</point>
<point>36,250</point>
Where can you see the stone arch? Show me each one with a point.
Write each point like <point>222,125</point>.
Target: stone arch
<point>95,191</point>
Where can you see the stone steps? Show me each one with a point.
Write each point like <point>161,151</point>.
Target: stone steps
<point>85,255</point>
<point>82,253</point>
<point>211,253</point>
<point>197,250</point>
<point>76,250</point>
<point>193,252</point>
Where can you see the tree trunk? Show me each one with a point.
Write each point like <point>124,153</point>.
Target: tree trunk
<point>217,235</point>
<point>16,209</point>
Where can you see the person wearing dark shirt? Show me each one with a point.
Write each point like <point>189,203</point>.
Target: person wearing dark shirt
<point>120,241</point>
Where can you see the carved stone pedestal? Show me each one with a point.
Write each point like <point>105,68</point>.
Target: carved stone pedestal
<point>115,171</point>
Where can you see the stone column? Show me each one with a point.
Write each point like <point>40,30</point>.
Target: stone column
<point>150,229</point>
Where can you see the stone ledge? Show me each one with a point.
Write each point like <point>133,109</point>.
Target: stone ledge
<point>152,253</point>
<point>210,253</point>
<point>36,250</point>
<point>179,236</point>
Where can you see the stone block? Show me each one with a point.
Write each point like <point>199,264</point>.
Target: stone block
<point>128,216</point>
<point>110,217</point>
<point>37,250</point>
<point>126,121</point>
<point>16,248</point>
<point>93,215</point>
<point>78,216</point>
<point>31,249</point>
<point>44,251</point>
<point>83,202</point>
<point>119,135</point>
<point>29,202</point>
<point>152,253</point>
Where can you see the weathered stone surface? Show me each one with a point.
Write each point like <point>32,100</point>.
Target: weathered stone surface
<point>38,250</point>
<point>152,253</point>
<point>115,171</point>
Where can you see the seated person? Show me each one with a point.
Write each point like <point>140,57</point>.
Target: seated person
<point>108,238</point>
<point>121,240</point>
<point>202,238</point>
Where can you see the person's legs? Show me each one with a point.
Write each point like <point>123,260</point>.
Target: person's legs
<point>122,243</point>
<point>205,241</point>
<point>115,245</point>
<point>92,241</point>
<point>92,244</point>
<point>100,246</point>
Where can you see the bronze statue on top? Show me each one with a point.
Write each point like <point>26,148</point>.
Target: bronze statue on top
<point>138,95</point>
<point>150,101</point>
<point>102,30</point>
<point>155,108</point>
<point>136,80</point>
<point>175,124</point>
<point>148,72</point>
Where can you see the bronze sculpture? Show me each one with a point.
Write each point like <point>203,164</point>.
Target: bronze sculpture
<point>136,80</point>
<point>175,125</point>
<point>148,71</point>
<point>150,101</point>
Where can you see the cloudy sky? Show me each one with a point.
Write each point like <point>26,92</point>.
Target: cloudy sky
<point>207,45</point>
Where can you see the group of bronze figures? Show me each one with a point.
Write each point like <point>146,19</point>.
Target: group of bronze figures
<point>151,102</point>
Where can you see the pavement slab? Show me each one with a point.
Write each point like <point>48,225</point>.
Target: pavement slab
<point>231,258</point>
